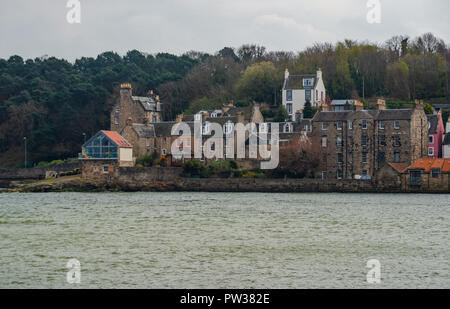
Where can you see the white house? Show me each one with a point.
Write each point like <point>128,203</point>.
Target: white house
<point>446,146</point>
<point>298,89</point>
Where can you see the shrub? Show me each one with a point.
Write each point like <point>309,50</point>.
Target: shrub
<point>145,161</point>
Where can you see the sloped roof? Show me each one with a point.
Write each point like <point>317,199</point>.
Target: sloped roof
<point>399,167</point>
<point>117,139</point>
<point>392,114</point>
<point>389,114</point>
<point>296,81</point>
<point>148,103</point>
<point>342,102</point>
<point>428,164</point>
<point>447,139</point>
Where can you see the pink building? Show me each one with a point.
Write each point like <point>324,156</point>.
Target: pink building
<point>436,132</point>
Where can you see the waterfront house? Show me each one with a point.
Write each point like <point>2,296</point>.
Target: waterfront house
<point>436,133</point>
<point>104,153</point>
<point>298,89</point>
<point>427,175</point>
<point>357,143</point>
<point>446,143</point>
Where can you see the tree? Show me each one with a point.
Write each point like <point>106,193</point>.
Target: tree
<point>281,115</point>
<point>308,112</point>
<point>260,82</point>
<point>428,109</point>
<point>397,80</point>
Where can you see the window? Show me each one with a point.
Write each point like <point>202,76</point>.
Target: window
<point>289,95</point>
<point>153,118</point>
<point>164,152</point>
<point>228,128</point>
<point>324,141</point>
<point>287,128</point>
<point>364,173</point>
<point>289,108</point>
<point>324,175</point>
<point>397,142</point>
<point>339,125</point>
<point>263,128</point>
<point>364,124</point>
<point>105,169</point>
<point>364,157</point>
<point>397,157</point>
<point>350,125</point>
<point>431,151</point>
<point>307,82</point>
<point>396,125</point>
<point>213,146</point>
<point>317,94</point>
<point>324,126</point>
<point>382,125</point>
<point>381,157</point>
<point>364,140</point>
<point>382,140</point>
<point>340,174</point>
<point>431,139</point>
<point>308,95</point>
<point>213,115</point>
<point>339,141</point>
<point>435,173</point>
<point>415,177</point>
<point>340,158</point>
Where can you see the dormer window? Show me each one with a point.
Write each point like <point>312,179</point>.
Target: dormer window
<point>263,128</point>
<point>213,115</point>
<point>308,82</point>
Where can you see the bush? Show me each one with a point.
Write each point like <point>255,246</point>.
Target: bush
<point>145,161</point>
<point>163,162</point>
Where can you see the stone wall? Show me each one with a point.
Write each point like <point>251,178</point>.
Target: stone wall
<point>34,173</point>
<point>149,173</point>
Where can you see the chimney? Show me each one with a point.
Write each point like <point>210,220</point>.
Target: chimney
<point>319,73</point>
<point>240,117</point>
<point>359,106</point>
<point>129,121</point>
<point>125,90</point>
<point>298,116</point>
<point>179,118</point>
<point>418,104</point>
<point>150,93</point>
<point>286,74</point>
<point>447,130</point>
<point>381,105</point>
<point>324,107</point>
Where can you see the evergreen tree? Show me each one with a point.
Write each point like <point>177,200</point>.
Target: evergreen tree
<point>308,112</point>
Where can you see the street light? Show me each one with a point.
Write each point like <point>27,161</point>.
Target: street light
<point>84,136</point>
<point>25,142</point>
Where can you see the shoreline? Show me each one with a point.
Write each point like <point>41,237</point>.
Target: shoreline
<point>231,185</point>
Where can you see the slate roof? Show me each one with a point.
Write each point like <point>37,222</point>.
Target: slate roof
<point>294,82</point>
<point>148,103</point>
<point>117,139</point>
<point>389,114</point>
<point>447,139</point>
<point>342,102</point>
<point>433,121</point>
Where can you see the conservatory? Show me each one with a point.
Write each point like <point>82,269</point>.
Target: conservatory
<point>107,145</point>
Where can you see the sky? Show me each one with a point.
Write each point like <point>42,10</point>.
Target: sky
<point>36,28</point>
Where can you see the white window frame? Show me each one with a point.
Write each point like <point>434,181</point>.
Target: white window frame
<point>339,125</point>
<point>431,153</point>
<point>382,125</point>
<point>289,108</point>
<point>432,139</point>
<point>289,95</point>
<point>324,141</point>
<point>364,124</point>
<point>324,126</point>
<point>397,125</point>
<point>107,169</point>
<point>324,175</point>
<point>350,125</point>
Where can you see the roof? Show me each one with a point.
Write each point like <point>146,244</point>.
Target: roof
<point>342,102</point>
<point>388,114</point>
<point>447,139</point>
<point>148,103</point>
<point>399,167</point>
<point>433,121</point>
<point>117,139</point>
<point>428,164</point>
<point>296,81</point>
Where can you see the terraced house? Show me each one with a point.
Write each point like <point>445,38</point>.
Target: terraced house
<point>357,143</point>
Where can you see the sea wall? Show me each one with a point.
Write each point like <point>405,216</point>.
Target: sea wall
<point>12,174</point>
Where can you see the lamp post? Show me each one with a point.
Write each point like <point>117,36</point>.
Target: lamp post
<point>84,137</point>
<point>25,142</point>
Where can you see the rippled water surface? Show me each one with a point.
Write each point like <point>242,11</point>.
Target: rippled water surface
<point>224,240</point>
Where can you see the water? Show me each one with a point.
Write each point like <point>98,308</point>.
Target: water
<point>220,240</point>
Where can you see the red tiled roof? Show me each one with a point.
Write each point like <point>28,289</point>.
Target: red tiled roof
<point>399,167</point>
<point>118,139</point>
<point>427,164</point>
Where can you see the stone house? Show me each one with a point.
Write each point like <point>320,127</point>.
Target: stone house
<point>298,89</point>
<point>104,153</point>
<point>139,109</point>
<point>436,133</point>
<point>357,143</point>
<point>427,175</point>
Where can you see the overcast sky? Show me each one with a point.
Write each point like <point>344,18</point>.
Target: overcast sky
<point>35,28</point>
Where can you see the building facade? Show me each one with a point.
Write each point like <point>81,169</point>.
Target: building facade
<point>298,89</point>
<point>436,133</point>
<point>356,144</point>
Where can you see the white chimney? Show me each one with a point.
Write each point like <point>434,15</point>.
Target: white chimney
<point>319,74</point>
<point>286,74</point>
